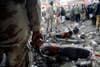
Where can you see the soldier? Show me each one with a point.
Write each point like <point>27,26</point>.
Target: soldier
<point>98,16</point>
<point>17,18</point>
<point>77,13</point>
<point>49,14</point>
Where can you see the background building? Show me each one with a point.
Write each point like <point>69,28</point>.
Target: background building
<point>44,4</point>
<point>66,3</point>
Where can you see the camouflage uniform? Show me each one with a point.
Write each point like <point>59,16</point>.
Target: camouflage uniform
<point>16,17</point>
<point>49,18</point>
<point>97,12</point>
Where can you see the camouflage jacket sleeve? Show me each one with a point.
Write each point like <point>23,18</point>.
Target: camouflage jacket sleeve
<point>34,14</point>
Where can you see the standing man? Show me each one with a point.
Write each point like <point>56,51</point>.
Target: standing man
<point>63,13</point>
<point>17,19</point>
<point>98,17</point>
<point>77,13</point>
<point>83,12</point>
<point>49,15</point>
<point>72,13</point>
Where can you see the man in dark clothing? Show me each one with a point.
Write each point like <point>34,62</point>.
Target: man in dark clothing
<point>62,11</point>
<point>77,13</point>
<point>72,53</point>
<point>98,16</point>
<point>62,14</point>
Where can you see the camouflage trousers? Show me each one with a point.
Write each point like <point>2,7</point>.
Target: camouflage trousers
<point>49,24</point>
<point>15,57</point>
<point>97,22</point>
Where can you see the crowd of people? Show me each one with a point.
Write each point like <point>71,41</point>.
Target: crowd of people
<point>77,13</point>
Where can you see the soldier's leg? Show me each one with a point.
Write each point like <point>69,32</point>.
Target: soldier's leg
<point>17,57</point>
<point>50,24</point>
<point>47,21</point>
<point>97,23</point>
